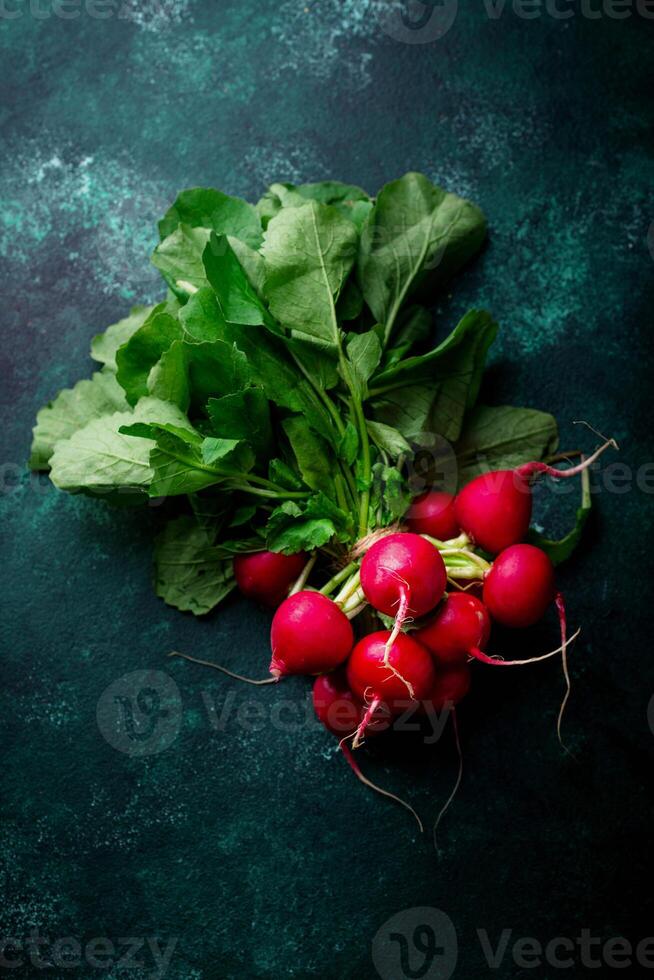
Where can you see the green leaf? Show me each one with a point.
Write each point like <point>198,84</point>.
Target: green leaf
<point>138,356</point>
<point>268,363</point>
<point>99,457</point>
<point>243,515</point>
<point>205,207</point>
<point>389,439</point>
<point>237,299</point>
<point>414,327</point>
<point>453,371</point>
<point>350,201</point>
<point>308,253</point>
<point>406,409</point>
<point>72,409</point>
<point>314,459</point>
<point>559,551</point>
<point>244,415</point>
<point>190,572</point>
<point>179,258</point>
<point>350,301</point>
<point>348,445</point>
<point>104,345</point>
<point>390,497</point>
<point>503,438</point>
<point>283,476</point>
<point>168,379</point>
<point>364,354</point>
<point>417,235</point>
<point>215,369</point>
<point>296,527</point>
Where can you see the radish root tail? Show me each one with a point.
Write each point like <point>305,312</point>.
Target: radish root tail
<point>455,790</point>
<point>378,789</point>
<point>560,608</point>
<point>224,670</point>
<point>400,619</point>
<point>538,469</point>
<point>365,721</point>
<point>480,655</point>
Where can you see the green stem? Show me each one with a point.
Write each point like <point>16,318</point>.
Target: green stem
<point>364,504</point>
<point>348,589</point>
<point>275,494</point>
<point>336,580</point>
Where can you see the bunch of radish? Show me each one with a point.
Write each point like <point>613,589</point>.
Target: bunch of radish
<point>438,582</point>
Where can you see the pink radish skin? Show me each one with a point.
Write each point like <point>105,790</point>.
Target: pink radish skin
<point>371,680</point>
<point>450,688</point>
<point>309,635</point>
<point>433,514</point>
<point>403,568</point>
<point>402,575</point>
<point>335,705</point>
<point>461,625</point>
<point>520,586</point>
<point>267,576</point>
<point>494,509</point>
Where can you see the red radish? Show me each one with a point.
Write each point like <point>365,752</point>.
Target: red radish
<point>520,586</point>
<point>267,576</point>
<point>310,635</point>
<point>402,575</point>
<point>433,514</point>
<point>451,686</point>
<point>334,703</point>
<point>495,508</point>
<point>461,624</point>
<point>370,679</point>
<point>340,713</point>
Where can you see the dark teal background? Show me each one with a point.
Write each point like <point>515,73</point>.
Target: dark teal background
<point>258,849</point>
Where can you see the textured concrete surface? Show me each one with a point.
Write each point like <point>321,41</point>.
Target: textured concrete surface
<point>256,850</point>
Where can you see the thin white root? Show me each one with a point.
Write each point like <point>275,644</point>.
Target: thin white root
<point>223,670</point>
<point>378,789</point>
<point>459,777</point>
<point>496,661</point>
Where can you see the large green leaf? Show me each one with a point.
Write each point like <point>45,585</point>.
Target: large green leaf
<point>136,358</point>
<point>190,572</point>
<point>417,235</point>
<point>244,415</point>
<point>104,345</point>
<point>503,438</point>
<point>314,460</point>
<point>238,300</point>
<point>351,201</point>
<point>100,458</point>
<point>72,409</point>
<point>204,207</point>
<point>308,253</point>
<point>179,258</point>
<point>452,372</point>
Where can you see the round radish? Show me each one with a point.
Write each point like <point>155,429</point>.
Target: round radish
<point>370,679</point>
<point>451,686</point>
<point>309,635</point>
<point>402,575</point>
<point>433,514</point>
<point>266,576</point>
<point>495,508</point>
<point>520,586</point>
<point>334,703</point>
<point>461,626</point>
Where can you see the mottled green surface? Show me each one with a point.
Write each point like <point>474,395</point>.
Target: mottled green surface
<point>258,849</point>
